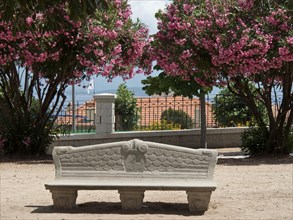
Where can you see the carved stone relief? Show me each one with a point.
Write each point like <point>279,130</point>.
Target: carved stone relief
<point>136,156</point>
<point>133,154</point>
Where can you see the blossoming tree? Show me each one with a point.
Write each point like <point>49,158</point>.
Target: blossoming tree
<point>234,43</point>
<point>45,50</point>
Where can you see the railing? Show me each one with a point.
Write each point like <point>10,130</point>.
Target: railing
<point>84,119</point>
<point>164,113</point>
<point>152,113</point>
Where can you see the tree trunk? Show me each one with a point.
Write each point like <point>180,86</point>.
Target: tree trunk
<point>277,130</point>
<point>203,124</point>
<point>26,122</point>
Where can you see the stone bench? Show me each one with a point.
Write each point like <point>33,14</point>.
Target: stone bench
<point>131,167</point>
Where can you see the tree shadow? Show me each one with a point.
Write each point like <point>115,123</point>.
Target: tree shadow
<point>257,160</point>
<point>115,208</point>
<point>26,159</point>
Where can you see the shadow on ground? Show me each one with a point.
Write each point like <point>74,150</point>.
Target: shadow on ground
<point>115,208</point>
<point>259,160</point>
<point>27,159</point>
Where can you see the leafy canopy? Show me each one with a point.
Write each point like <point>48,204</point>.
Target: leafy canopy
<point>233,43</point>
<point>48,45</point>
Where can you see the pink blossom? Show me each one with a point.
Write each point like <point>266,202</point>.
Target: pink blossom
<point>39,16</point>
<point>272,20</point>
<point>118,23</point>
<point>187,8</point>
<point>283,51</point>
<point>118,2</point>
<point>29,21</point>
<point>55,56</point>
<point>180,41</point>
<point>221,22</point>
<point>246,4</point>
<point>186,54</point>
<point>117,50</point>
<point>42,57</point>
<point>26,141</point>
<point>92,49</point>
<point>290,40</point>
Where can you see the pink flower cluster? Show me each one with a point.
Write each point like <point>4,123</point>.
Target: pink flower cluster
<point>109,45</point>
<point>218,42</point>
<point>245,4</point>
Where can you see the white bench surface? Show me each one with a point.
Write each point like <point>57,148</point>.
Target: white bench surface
<point>111,183</point>
<point>131,167</point>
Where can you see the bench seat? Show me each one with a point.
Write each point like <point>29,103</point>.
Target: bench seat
<point>131,168</point>
<point>112,183</point>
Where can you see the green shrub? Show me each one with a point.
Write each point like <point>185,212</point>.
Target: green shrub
<point>21,133</point>
<point>162,125</point>
<point>253,141</point>
<point>126,110</point>
<point>177,117</point>
<point>231,111</point>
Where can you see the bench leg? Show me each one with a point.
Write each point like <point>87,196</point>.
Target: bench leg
<point>64,199</point>
<point>131,199</point>
<point>198,201</point>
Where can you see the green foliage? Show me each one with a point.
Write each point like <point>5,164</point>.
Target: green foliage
<point>254,141</point>
<point>22,134</point>
<point>177,117</point>
<point>165,84</point>
<point>162,125</point>
<point>48,45</point>
<point>78,9</point>
<point>234,42</point>
<point>230,110</point>
<point>126,111</point>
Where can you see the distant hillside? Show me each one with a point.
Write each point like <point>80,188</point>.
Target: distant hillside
<point>138,92</point>
<point>81,94</point>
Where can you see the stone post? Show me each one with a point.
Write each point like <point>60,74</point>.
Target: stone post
<point>105,113</point>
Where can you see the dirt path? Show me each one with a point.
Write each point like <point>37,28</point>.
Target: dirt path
<point>247,189</point>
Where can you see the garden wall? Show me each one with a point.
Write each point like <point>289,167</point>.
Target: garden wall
<point>216,138</point>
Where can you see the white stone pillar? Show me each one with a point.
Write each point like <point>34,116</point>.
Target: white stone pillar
<point>105,113</point>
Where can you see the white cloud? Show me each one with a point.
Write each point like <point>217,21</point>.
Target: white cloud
<point>145,10</point>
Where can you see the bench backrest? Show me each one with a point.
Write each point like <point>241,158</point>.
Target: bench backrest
<point>134,158</point>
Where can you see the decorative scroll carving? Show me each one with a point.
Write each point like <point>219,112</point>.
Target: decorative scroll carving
<point>133,153</point>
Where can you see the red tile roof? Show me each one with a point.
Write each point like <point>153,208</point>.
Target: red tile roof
<point>151,110</point>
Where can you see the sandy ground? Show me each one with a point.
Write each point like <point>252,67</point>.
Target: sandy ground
<point>247,189</point>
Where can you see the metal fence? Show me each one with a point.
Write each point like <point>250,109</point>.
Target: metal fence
<point>153,113</point>
<point>165,113</point>
<point>83,117</point>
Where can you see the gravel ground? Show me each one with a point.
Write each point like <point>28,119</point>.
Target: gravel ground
<point>250,188</point>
